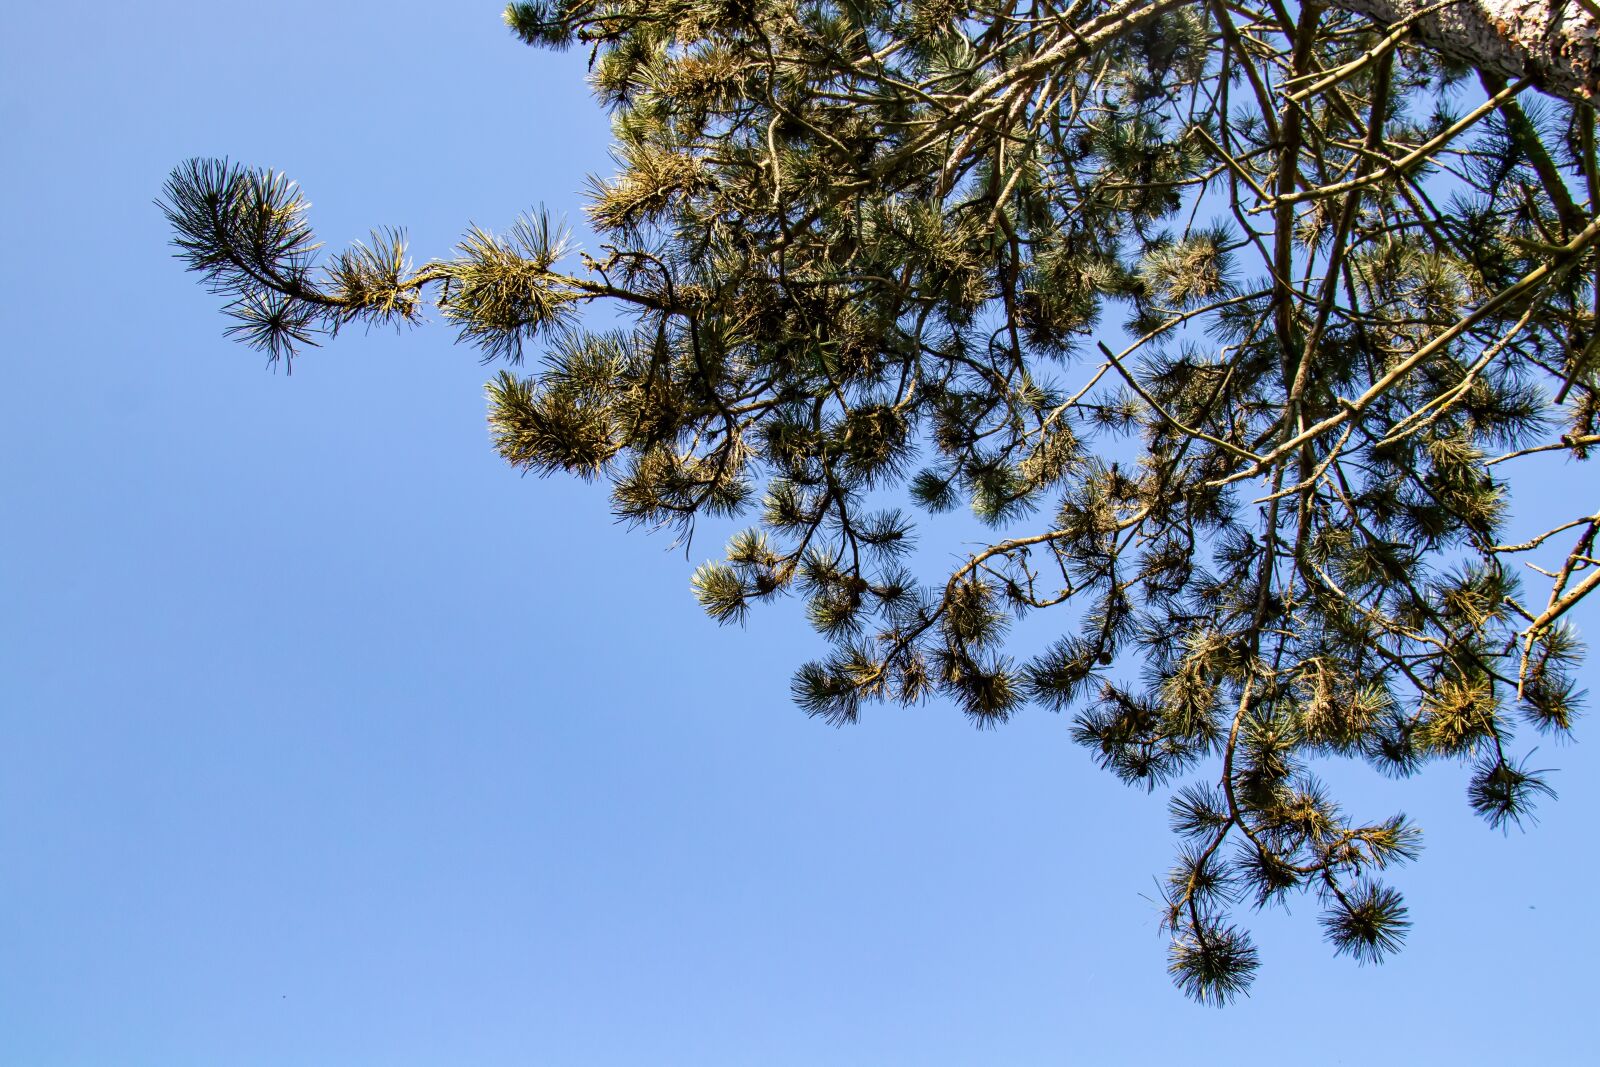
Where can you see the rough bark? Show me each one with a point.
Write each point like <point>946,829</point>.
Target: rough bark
<point>1552,42</point>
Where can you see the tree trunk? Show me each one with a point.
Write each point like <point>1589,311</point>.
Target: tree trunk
<point>1553,42</point>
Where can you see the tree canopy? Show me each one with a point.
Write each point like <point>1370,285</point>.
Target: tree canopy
<point>1233,320</point>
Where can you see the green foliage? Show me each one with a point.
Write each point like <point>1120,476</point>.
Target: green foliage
<point>1213,962</point>
<point>1367,921</point>
<point>1504,794</point>
<point>499,290</point>
<point>1165,294</point>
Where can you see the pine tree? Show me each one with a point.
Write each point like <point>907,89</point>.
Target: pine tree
<point>1231,320</point>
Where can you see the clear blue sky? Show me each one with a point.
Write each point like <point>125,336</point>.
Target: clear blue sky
<point>327,739</point>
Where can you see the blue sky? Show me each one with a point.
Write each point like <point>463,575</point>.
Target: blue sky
<point>327,739</point>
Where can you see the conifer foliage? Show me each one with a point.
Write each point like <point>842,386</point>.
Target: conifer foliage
<point>1234,321</point>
